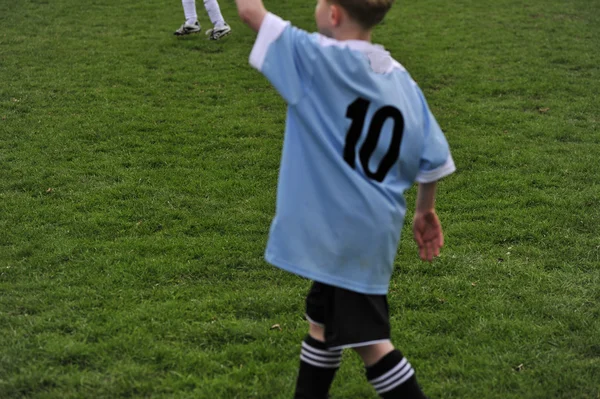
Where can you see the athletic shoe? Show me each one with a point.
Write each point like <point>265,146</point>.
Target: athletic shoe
<point>186,29</point>
<point>218,33</point>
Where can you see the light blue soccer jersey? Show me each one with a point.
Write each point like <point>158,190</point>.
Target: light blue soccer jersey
<point>358,134</point>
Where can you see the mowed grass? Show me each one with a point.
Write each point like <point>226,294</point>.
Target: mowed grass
<point>137,183</point>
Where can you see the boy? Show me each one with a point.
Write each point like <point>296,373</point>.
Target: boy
<point>191,25</point>
<point>358,134</point>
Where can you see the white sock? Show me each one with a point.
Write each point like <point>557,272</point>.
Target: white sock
<point>189,9</point>
<point>214,13</point>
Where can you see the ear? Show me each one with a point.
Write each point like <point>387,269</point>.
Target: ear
<point>336,15</point>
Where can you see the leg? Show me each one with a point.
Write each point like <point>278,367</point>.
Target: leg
<point>318,364</point>
<point>214,13</point>
<point>220,29</point>
<point>189,9</point>
<point>191,24</point>
<point>316,331</point>
<point>371,354</point>
<point>389,372</point>
<point>362,323</point>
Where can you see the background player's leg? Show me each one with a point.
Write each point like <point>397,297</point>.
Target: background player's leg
<point>214,13</point>
<point>389,372</point>
<point>318,366</point>
<point>191,24</point>
<point>189,9</point>
<point>220,29</point>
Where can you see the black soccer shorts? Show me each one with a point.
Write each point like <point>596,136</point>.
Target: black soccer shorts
<point>350,319</point>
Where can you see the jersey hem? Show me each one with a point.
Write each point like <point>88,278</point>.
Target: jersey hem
<point>359,344</point>
<point>436,174</point>
<point>325,278</point>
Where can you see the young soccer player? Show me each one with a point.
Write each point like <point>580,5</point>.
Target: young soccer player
<point>358,134</point>
<point>191,25</point>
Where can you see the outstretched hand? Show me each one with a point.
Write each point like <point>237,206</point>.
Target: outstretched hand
<point>252,12</point>
<point>428,234</point>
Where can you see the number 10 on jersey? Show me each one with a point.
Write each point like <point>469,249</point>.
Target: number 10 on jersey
<point>357,112</point>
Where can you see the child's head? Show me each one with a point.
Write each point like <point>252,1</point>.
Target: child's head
<point>365,14</point>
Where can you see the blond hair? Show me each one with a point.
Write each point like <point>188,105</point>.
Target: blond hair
<point>367,13</point>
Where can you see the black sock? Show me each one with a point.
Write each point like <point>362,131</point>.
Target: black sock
<point>317,369</point>
<point>394,378</point>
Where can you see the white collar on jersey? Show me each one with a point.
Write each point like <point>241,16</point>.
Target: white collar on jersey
<point>364,46</point>
<point>358,45</point>
<point>380,59</point>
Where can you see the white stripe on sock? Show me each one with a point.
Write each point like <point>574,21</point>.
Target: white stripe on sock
<point>400,381</point>
<point>317,364</point>
<point>320,351</point>
<point>394,377</point>
<point>322,359</point>
<point>389,373</point>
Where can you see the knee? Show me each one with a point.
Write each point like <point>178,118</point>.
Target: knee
<point>317,332</point>
<point>371,354</point>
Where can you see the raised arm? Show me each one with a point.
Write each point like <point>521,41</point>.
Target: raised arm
<point>427,228</point>
<point>252,12</point>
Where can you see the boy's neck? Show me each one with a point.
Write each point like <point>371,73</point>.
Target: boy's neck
<point>352,34</point>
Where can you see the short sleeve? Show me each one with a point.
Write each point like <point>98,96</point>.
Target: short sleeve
<point>436,159</point>
<point>285,55</point>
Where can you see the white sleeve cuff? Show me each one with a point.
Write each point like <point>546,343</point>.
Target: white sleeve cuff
<point>436,174</point>
<point>271,28</point>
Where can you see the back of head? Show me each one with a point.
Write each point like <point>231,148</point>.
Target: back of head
<point>367,13</point>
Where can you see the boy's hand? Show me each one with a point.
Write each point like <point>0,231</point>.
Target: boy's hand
<point>252,12</point>
<point>428,234</point>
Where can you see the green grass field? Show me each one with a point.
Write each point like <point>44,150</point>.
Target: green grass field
<point>137,183</point>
